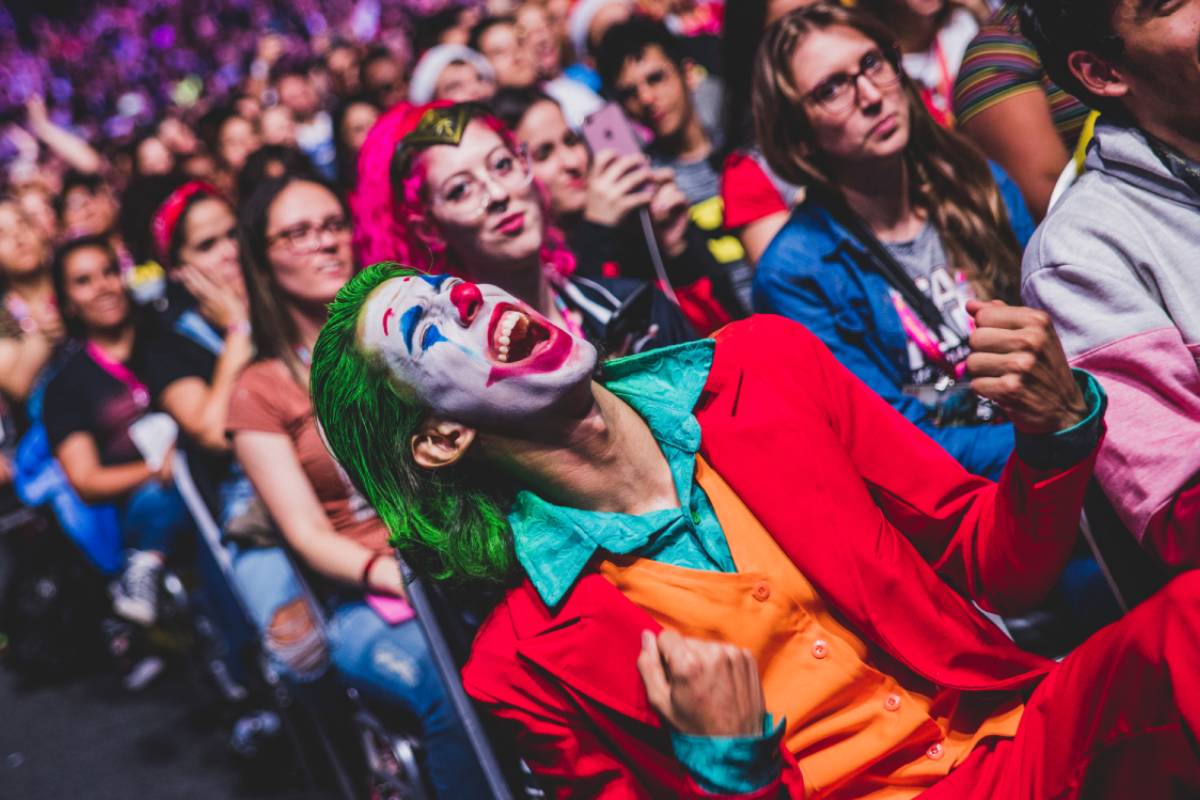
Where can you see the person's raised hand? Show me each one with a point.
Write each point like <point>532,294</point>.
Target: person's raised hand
<point>269,48</point>
<point>1018,363</point>
<point>669,213</point>
<point>702,688</point>
<point>49,322</point>
<point>616,186</point>
<point>35,112</point>
<point>220,304</point>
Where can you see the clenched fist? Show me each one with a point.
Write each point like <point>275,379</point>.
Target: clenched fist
<point>702,688</point>
<point>1018,363</point>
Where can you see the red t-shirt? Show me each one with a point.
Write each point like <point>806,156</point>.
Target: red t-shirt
<point>748,192</point>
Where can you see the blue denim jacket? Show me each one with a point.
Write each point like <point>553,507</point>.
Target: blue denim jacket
<point>816,272</point>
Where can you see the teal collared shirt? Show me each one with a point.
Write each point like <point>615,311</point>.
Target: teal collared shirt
<point>556,543</point>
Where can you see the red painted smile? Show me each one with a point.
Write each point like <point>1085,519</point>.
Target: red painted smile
<point>522,342</point>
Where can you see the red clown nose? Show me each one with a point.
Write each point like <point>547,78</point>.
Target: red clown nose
<point>467,299</point>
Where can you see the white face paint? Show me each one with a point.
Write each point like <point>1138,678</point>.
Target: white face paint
<point>473,354</point>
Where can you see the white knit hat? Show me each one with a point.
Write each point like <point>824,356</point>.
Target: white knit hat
<point>425,75</point>
<point>581,19</point>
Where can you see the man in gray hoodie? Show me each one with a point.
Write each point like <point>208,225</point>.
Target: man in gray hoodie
<point>1117,261</point>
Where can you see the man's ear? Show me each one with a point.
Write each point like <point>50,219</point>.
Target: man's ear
<point>1097,75</point>
<point>440,443</point>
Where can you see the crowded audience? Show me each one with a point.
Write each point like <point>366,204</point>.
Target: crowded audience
<point>744,373</point>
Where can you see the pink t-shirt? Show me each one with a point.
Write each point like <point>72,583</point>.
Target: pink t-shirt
<point>268,399</point>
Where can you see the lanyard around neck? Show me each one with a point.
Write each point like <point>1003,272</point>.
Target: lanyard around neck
<point>930,344</point>
<point>121,373</point>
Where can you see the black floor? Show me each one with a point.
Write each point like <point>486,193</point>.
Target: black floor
<point>89,738</point>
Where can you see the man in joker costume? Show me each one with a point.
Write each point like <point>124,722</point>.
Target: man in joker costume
<point>736,572</point>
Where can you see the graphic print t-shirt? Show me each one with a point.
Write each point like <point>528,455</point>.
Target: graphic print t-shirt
<point>924,259</point>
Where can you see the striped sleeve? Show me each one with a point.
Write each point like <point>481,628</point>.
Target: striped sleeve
<point>999,63</point>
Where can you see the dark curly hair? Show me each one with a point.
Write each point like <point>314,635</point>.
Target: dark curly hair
<point>1058,28</point>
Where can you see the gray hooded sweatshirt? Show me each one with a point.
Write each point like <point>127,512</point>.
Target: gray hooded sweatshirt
<point>1116,263</point>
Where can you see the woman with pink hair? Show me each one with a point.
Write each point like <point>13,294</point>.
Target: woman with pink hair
<point>463,200</point>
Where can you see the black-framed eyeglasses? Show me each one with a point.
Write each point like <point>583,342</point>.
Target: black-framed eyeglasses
<point>839,92</point>
<point>305,237</point>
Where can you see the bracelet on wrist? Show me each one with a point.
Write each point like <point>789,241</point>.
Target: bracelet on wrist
<point>365,580</point>
<point>241,326</point>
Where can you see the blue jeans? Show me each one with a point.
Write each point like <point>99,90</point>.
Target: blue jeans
<point>153,518</point>
<point>389,663</point>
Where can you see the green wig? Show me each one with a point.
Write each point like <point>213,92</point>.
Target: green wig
<point>450,523</point>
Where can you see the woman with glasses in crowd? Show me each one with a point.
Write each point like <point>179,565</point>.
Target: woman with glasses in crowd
<point>296,254</point>
<point>595,198</point>
<point>465,192</point>
<point>904,223</point>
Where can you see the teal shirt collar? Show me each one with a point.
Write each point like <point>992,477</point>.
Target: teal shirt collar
<point>555,543</point>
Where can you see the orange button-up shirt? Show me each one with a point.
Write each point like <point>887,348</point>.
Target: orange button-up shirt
<point>859,723</point>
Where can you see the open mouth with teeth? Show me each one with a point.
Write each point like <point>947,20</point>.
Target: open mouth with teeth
<point>515,335</point>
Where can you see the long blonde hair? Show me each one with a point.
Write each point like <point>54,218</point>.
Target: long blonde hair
<point>949,179</point>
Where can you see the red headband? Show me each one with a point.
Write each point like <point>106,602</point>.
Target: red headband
<point>166,219</point>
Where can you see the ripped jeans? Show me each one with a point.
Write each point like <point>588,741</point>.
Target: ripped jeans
<point>387,663</point>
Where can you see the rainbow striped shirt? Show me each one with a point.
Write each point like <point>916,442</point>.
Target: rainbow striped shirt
<point>1001,63</point>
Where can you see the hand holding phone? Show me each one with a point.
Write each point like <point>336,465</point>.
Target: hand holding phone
<point>621,179</point>
<point>608,129</point>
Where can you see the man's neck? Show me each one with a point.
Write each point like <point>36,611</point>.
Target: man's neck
<point>690,143</point>
<point>1182,143</point>
<point>603,459</point>
<point>888,212</point>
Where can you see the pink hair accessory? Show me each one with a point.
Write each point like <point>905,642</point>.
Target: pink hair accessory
<point>166,218</point>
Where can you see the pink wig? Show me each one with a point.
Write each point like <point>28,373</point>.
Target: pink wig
<point>378,234</point>
<point>387,214</point>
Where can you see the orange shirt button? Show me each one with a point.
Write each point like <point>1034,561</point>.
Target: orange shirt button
<point>820,648</point>
<point>935,751</point>
<point>892,703</point>
<point>762,591</point>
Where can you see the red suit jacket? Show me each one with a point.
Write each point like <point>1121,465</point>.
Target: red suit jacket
<point>890,530</point>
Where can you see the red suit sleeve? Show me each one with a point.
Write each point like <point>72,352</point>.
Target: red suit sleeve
<point>1002,544</point>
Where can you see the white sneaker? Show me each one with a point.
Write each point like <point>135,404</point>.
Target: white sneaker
<point>135,594</point>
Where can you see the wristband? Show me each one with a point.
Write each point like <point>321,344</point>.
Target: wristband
<point>241,326</point>
<point>366,573</point>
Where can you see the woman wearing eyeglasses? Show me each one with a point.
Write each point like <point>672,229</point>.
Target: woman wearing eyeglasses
<point>467,196</point>
<point>904,222</point>
<point>296,254</point>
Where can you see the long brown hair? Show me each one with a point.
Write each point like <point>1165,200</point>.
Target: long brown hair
<point>949,179</point>
<point>274,330</point>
